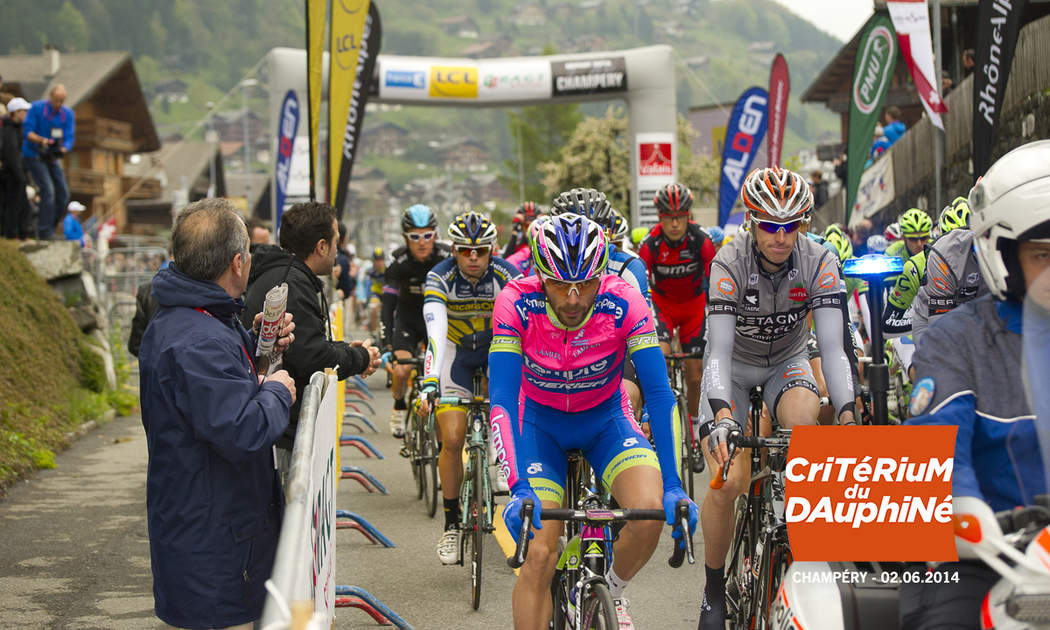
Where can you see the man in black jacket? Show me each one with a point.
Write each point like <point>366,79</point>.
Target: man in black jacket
<point>307,250</point>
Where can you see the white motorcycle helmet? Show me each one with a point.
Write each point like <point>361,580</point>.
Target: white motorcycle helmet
<point>1011,203</point>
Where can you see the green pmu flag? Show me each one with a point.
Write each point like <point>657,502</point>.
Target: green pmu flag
<point>872,71</point>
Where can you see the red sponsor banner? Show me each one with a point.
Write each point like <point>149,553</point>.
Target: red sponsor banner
<point>779,89</point>
<point>871,493</point>
<point>654,158</point>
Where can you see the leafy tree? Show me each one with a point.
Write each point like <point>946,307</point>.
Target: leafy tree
<point>68,29</point>
<point>595,156</point>
<point>699,172</point>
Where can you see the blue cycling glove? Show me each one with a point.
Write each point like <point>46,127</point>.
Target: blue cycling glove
<point>512,512</point>
<point>672,496</point>
<point>384,360</point>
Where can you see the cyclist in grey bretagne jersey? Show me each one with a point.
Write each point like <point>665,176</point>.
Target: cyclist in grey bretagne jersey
<point>953,277</point>
<point>763,285</point>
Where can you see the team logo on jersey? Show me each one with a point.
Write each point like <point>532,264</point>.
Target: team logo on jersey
<point>798,294</point>
<point>792,274</point>
<point>726,286</point>
<point>752,279</point>
<point>921,395</point>
<point>970,279</point>
<point>826,281</point>
<point>751,300</point>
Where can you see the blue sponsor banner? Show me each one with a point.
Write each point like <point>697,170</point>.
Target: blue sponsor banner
<point>287,126</point>
<point>744,134</point>
<point>405,79</point>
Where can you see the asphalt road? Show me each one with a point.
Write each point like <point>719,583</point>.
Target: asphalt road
<point>75,553</point>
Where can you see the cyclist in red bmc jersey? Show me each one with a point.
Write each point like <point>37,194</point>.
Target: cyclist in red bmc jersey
<point>678,255</point>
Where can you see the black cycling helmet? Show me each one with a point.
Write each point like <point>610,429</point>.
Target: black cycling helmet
<point>586,202</point>
<point>673,199</point>
<point>418,216</point>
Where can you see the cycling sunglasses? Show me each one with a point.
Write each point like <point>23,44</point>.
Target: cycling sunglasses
<point>479,250</point>
<point>418,236</point>
<point>773,228</point>
<point>565,288</point>
<point>683,216</point>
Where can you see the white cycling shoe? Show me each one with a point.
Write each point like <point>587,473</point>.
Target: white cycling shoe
<point>623,613</point>
<point>397,423</point>
<point>500,484</point>
<point>448,546</point>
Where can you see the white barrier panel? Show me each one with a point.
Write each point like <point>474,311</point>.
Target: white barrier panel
<point>320,544</point>
<point>304,567</point>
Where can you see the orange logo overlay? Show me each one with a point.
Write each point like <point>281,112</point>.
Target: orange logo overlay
<point>871,493</point>
<point>726,286</point>
<point>453,82</point>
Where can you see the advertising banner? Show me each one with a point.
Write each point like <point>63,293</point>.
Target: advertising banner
<point>403,78</point>
<point>998,22</point>
<point>513,80</point>
<point>779,89</point>
<point>287,127</point>
<point>315,21</point>
<point>885,496</point>
<point>744,134</point>
<point>875,191</point>
<point>911,19</point>
<point>588,76</point>
<point>657,165</point>
<point>454,81</point>
<point>322,504</point>
<point>348,25</point>
<point>872,70</point>
<point>365,61</point>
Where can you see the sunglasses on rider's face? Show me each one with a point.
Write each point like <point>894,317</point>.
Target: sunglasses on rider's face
<point>479,250</point>
<point>420,236</point>
<point>678,216</point>
<point>563,288</point>
<point>773,228</point>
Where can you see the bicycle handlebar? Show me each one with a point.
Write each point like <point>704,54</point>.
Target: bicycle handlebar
<point>737,440</point>
<point>602,516</point>
<point>410,361</point>
<point>464,402</point>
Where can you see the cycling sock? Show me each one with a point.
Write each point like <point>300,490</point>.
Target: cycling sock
<point>399,404</point>
<point>451,513</point>
<point>616,583</point>
<point>716,583</point>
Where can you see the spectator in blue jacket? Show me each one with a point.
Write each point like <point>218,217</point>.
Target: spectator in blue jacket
<point>213,499</point>
<point>48,134</point>
<point>71,227</point>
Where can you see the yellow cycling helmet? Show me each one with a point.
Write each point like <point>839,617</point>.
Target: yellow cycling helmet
<point>956,215</point>
<point>841,242</point>
<point>915,223</point>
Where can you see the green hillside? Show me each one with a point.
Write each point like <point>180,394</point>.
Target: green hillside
<point>210,45</point>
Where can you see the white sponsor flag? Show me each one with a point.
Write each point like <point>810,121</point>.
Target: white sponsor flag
<point>911,20</point>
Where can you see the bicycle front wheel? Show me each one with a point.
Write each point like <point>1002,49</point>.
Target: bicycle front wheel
<point>416,455</point>
<point>597,609</point>
<point>686,468</point>
<point>429,467</point>
<point>477,508</point>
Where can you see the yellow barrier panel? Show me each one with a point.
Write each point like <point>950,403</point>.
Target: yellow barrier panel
<point>336,319</point>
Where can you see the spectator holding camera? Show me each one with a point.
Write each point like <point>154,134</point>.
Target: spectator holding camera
<point>48,135</point>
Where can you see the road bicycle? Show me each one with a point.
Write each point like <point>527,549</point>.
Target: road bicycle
<point>580,594</point>
<point>692,460</point>
<point>759,554</point>
<point>420,443</point>
<point>476,496</point>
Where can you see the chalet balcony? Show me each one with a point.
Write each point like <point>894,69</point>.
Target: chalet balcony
<point>84,181</point>
<point>104,133</point>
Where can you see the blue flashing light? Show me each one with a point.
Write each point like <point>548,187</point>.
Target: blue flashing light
<point>873,266</point>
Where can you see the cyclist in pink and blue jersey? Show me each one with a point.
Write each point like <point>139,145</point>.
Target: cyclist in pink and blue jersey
<point>560,340</point>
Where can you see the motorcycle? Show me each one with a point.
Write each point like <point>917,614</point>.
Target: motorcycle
<point>1013,543</point>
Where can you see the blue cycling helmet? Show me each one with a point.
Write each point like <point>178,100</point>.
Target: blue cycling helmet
<point>716,234</point>
<point>587,202</point>
<point>569,247</point>
<point>472,228</point>
<point>418,216</point>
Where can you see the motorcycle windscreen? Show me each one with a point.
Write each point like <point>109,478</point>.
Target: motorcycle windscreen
<point>1036,372</point>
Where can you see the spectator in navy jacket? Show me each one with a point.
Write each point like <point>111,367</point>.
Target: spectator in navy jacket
<point>48,136</point>
<point>213,499</point>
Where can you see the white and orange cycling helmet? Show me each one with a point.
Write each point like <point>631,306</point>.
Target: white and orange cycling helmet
<point>776,195</point>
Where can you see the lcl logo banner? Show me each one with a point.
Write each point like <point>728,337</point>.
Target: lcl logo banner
<point>453,82</point>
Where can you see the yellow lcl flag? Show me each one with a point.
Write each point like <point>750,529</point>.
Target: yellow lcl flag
<point>348,25</point>
<point>316,11</point>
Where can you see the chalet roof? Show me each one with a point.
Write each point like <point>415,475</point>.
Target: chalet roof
<point>839,69</point>
<point>106,79</point>
<point>172,163</point>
